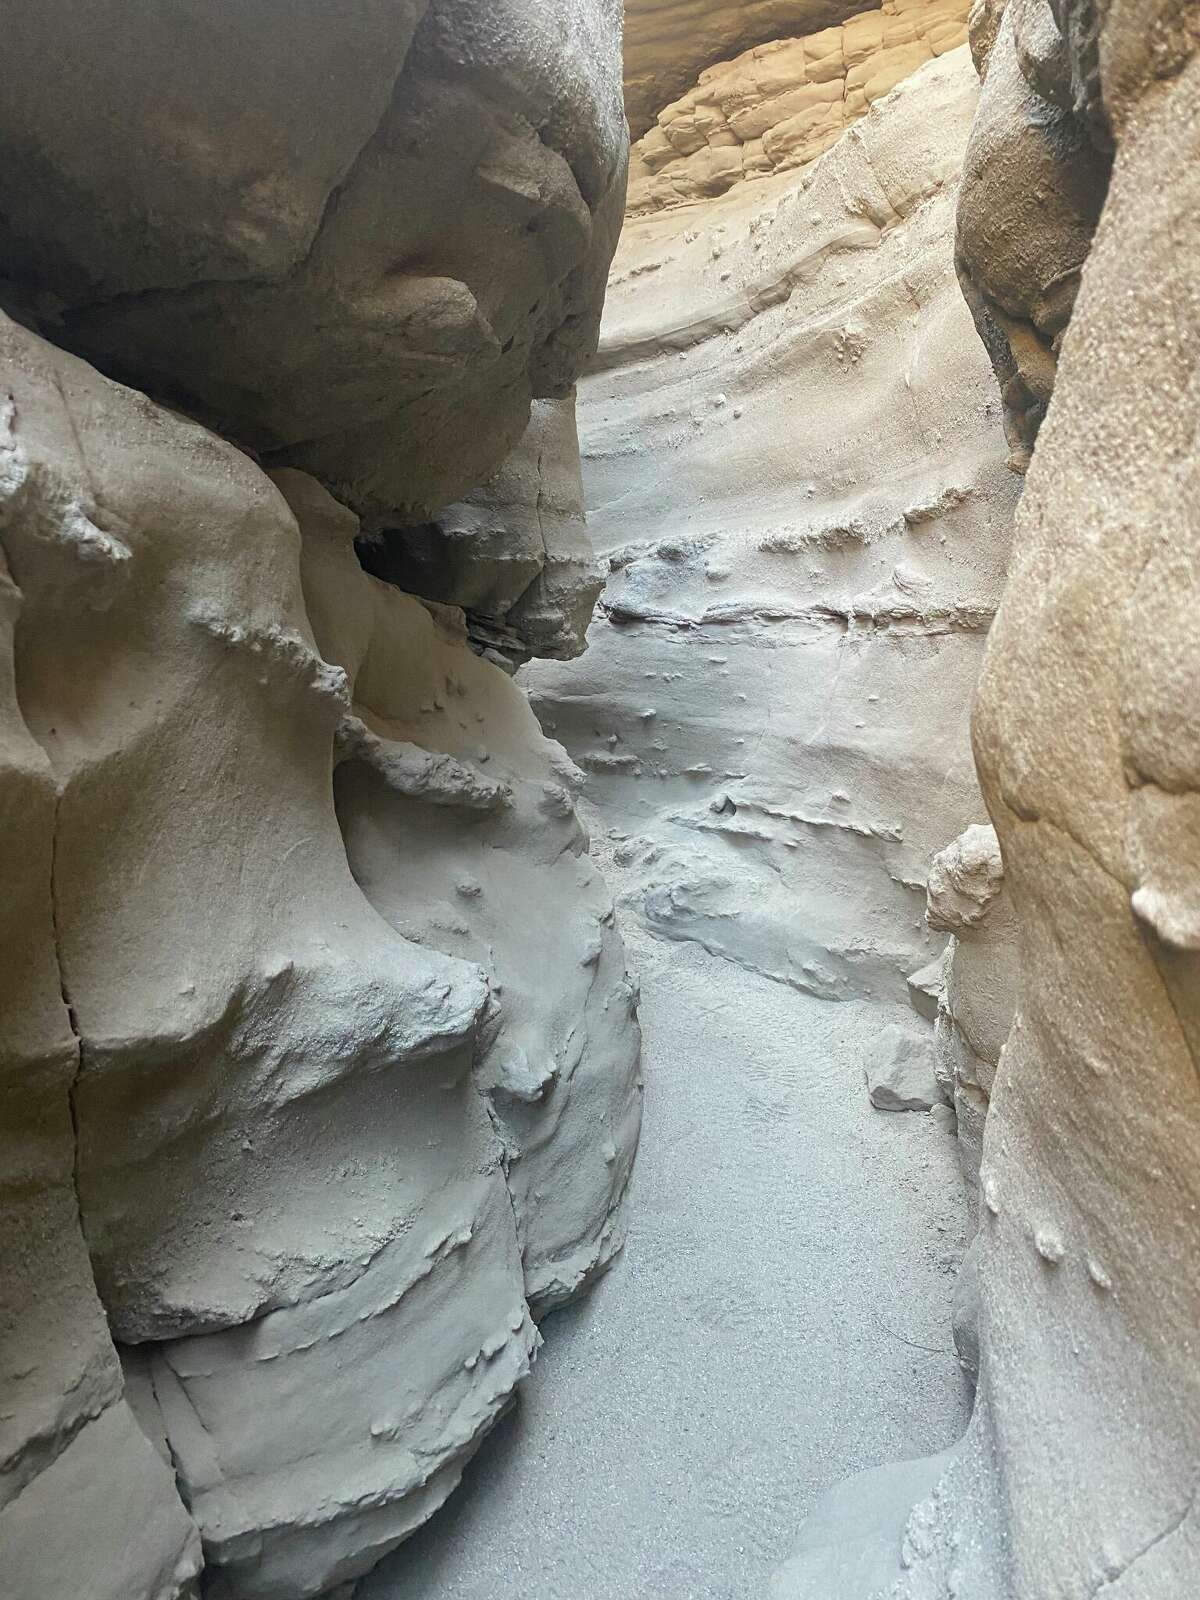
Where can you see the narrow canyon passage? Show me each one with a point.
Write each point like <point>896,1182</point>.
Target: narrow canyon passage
<point>794,472</point>
<point>600,800</point>
<point>779,1319</point>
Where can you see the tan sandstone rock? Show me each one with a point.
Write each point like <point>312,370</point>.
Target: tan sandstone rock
<point>781,103</point>
<point>1078,1474</point>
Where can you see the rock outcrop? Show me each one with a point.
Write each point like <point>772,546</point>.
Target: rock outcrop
<point>794,465</point>
<point>668,42</point>
<point>977,980</point>
<point>1034,181</point>
<point>515,556</point>
<point>779,105</point>
<point>318,1053</point>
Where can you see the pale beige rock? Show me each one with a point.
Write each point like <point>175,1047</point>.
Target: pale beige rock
<point>965,897</point>
<point>1078,1475</point>
<point>782,103</point>
<point>86,1508</point>
<point>288,1114</point>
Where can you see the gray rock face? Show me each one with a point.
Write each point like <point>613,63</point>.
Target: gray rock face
<point>516,555</point>
<point>327,1143</point>
<point>318,1054</point>
<point>68,1438</point>
<point>804,506</point>
<point>901,1075</point>
<point>361,253</point>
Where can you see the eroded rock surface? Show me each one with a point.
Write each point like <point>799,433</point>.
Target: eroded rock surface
<point>1078,1475</point>
<point>324,1147</point>
<point>779,105</point>
<point>667,42</point>
<point>794,466</point>
<point>318,1053</point>
<point>515,556</point>
<point>1034,181</point>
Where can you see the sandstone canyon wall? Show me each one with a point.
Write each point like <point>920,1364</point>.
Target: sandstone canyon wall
<point>320,1060</point>
<point>1078,1475</point>
<point>794,465</point>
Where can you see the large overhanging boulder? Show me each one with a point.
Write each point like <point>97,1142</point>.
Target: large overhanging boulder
<point>357,237</point>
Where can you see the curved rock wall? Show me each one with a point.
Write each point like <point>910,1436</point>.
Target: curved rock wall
<point>1078,1475</point>
<point>793,462</point>
<point>1090,1298</point>
<point>318,1053</point>
<point>1034,182</point>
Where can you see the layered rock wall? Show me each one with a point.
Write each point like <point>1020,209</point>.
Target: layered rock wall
<point>794,467</point>
<point>668,42</point>
<point>318,1053</point>
<point>779,105</point>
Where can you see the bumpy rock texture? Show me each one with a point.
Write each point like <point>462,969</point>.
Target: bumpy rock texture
<point>779,105</point>
<point>1078,1476</point>
<point>794,464</point>
<point>318,1053</point>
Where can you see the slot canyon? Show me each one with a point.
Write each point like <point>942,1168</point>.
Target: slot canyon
<point>601,840</point>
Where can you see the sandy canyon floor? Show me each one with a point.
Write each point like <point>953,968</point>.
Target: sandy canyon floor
<point>779,1319</point>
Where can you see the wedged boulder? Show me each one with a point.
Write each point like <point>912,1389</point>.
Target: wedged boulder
<point>358,238</point>
<point>901,1074</point>
<point>515,555</point>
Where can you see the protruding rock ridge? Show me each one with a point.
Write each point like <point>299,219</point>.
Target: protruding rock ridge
<point>1034,181</point>
<point>773,708</point>
<point>362,253</point>
<point>779,105</point>
<point>1078,1475</point>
